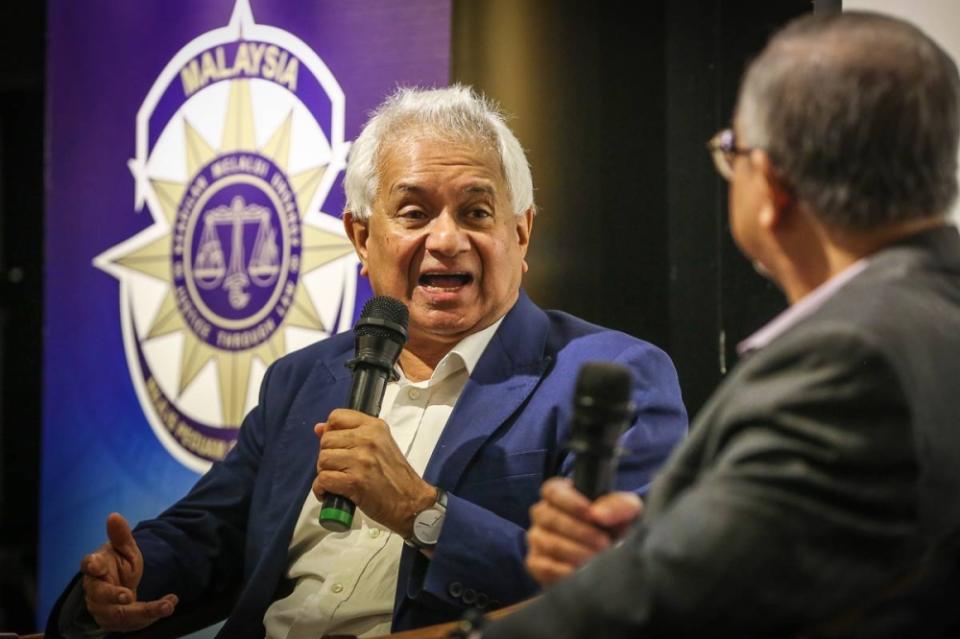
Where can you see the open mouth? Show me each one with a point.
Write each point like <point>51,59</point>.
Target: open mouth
<point>445,280</point>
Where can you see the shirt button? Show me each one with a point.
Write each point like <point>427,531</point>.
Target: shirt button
<point>337,588</point>
<point>469,596</point>
<point>374,533</point>
<point>413,393</point>
<point>455,589</point>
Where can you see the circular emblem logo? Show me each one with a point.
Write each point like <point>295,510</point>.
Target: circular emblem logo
<point>239,142</point>
<point>236,251</point>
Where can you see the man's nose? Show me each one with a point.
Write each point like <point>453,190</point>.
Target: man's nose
<point>446,237</point>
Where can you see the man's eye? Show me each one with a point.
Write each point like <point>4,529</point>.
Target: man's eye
<point>412,214</point>
<point>479,214</point>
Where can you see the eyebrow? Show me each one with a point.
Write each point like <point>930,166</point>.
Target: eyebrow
<point>408,187</point>
<point>481,188</point>
<point>405,187</point>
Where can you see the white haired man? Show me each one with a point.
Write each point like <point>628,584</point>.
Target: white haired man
<point>440,210</point>
<point>818,493</point>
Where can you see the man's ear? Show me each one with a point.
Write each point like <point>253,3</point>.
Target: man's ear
<point>359,232</point>
<point>524,230</point>
<point>778,192</point>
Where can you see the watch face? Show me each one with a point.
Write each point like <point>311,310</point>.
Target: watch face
<point>426,527</point>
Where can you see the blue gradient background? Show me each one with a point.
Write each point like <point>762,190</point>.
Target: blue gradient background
<point>99,453</point>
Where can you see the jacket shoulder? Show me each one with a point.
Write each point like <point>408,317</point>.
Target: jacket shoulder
<point>572,335</point>
<point>298,364</point>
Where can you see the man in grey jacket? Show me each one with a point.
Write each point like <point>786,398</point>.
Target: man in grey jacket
<point>819,493</point>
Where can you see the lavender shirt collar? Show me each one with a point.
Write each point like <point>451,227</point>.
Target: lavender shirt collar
<point>802,309</point>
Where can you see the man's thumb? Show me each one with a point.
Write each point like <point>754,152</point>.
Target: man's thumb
<point>616,509</point>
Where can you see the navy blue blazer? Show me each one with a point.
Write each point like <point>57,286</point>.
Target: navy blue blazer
<point>223,548</point>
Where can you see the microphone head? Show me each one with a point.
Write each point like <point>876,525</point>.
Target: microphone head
<point>603,384</point>
<point>383,316</point>
<point>601,411</point>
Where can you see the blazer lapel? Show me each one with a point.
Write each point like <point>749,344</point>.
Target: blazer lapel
<point>326,388</point>
<point>507,372</point>
<point>505,376</point>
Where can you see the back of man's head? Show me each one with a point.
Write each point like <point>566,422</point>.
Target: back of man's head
<point>859,114</point>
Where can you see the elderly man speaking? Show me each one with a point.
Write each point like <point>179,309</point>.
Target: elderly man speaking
<point>819,494</point>
<point>440,210</point>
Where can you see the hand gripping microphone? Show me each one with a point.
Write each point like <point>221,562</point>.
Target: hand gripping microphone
<point>602,410</point>
<point>379,337</point>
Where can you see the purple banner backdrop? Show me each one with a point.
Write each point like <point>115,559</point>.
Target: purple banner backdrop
<point>195,155</point>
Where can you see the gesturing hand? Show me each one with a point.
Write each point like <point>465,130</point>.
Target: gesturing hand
<point>360,460</point>
<point>567,529</point>
<point>111,575</point>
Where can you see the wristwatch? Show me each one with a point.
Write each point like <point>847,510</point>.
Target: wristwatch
<point>428,522</point>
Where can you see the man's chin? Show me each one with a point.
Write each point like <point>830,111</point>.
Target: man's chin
<point>442,323</point>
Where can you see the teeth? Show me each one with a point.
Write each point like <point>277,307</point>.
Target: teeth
<point>445,280</point>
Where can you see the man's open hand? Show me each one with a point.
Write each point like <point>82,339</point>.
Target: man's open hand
<point>567,529</point>
<point>111,575</point>
<point>360,460</point>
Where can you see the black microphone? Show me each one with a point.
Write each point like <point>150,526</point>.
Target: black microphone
<point>379,337</point>
<point>602,410</point>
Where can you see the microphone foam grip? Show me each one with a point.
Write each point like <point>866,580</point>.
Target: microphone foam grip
<point>382,316</point>
<point>603,384</point>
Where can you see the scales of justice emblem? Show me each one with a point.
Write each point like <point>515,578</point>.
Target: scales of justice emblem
<point>239,142</point>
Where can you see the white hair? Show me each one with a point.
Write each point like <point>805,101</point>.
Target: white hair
<point>457,113</point>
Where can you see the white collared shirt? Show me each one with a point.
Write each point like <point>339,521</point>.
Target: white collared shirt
<point>345,582</point>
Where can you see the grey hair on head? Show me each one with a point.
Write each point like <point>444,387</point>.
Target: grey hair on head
<point>456,113</point>
<point>860,114</point>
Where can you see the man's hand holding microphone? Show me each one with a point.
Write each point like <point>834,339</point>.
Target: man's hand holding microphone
<point>574,520</point>
<point>567,529</point>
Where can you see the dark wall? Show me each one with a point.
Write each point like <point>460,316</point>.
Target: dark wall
<point>586,87</point>
<point>716,298</point>
<point>614,103</point>
<point>22,27</point>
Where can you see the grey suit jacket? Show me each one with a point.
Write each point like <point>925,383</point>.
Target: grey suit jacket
<point>819,492</point>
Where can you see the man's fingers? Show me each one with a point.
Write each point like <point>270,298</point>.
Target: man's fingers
<point>338,439</point>
<point>318,490</point>
<point>99,593</point>
<point>344,418</point>
<point>544,515</point>
<point>545,570</point>
<point>102,564</point>
<point>129,559</point>
<point>561,494</point>
<point>337,482</point>
<point>95,565</point>
<point>134,616</point>
<point>560,549</point>
<point>334,459</point>
<point>616,509</point>
<point>118,532</point>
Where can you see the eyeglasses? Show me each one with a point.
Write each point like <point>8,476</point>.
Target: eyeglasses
<point>723,148</point>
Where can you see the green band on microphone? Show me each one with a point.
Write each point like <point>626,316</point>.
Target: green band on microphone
<point>336,520</point>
